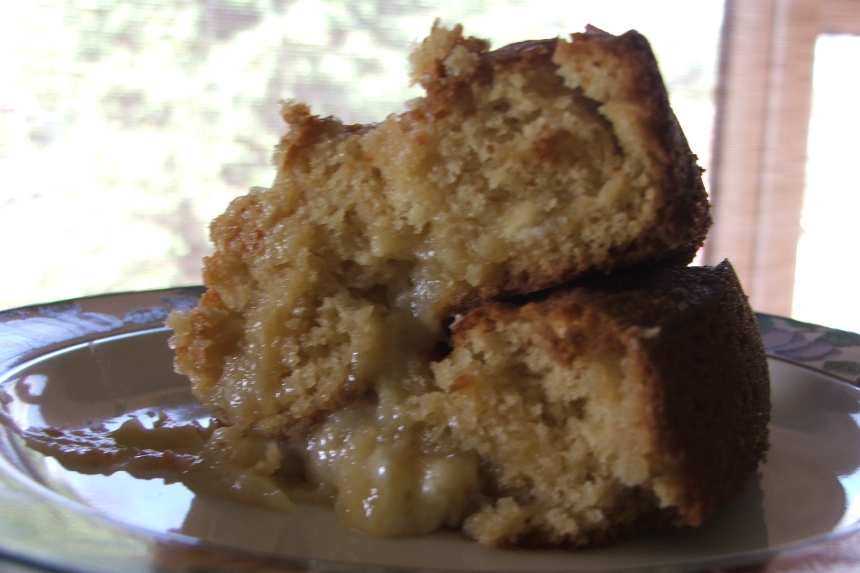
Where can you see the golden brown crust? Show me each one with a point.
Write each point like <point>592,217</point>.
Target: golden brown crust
<point>700,356</point>
<point>712,404</point>
<point>709,374</point>
<point>638,98</point>
<point>202,338</point>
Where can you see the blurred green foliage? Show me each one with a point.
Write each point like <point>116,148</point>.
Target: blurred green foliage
<point>127,125</point>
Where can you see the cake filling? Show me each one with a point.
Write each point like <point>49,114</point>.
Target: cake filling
<point>383,479</point>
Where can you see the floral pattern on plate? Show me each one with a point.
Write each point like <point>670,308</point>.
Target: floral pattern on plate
<point>836,352</point>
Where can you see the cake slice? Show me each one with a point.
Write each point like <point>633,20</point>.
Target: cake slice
<point>640,397</point>
<point>618,405</point>
<point>520,169</point>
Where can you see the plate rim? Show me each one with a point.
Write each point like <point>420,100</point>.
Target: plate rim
<point>246,560</point>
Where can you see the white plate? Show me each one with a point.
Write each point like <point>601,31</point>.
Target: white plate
<point>70,364</point>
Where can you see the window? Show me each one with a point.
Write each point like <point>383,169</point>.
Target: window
<point>761,178</point>
<point>827,275</point>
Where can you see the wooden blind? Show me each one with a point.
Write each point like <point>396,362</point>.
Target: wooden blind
<point>764,101</point>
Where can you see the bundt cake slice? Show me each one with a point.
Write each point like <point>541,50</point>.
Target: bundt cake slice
<point>520,169</point>
<point>643,396</point>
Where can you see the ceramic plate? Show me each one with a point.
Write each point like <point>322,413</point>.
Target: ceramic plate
<point>78,362</point>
